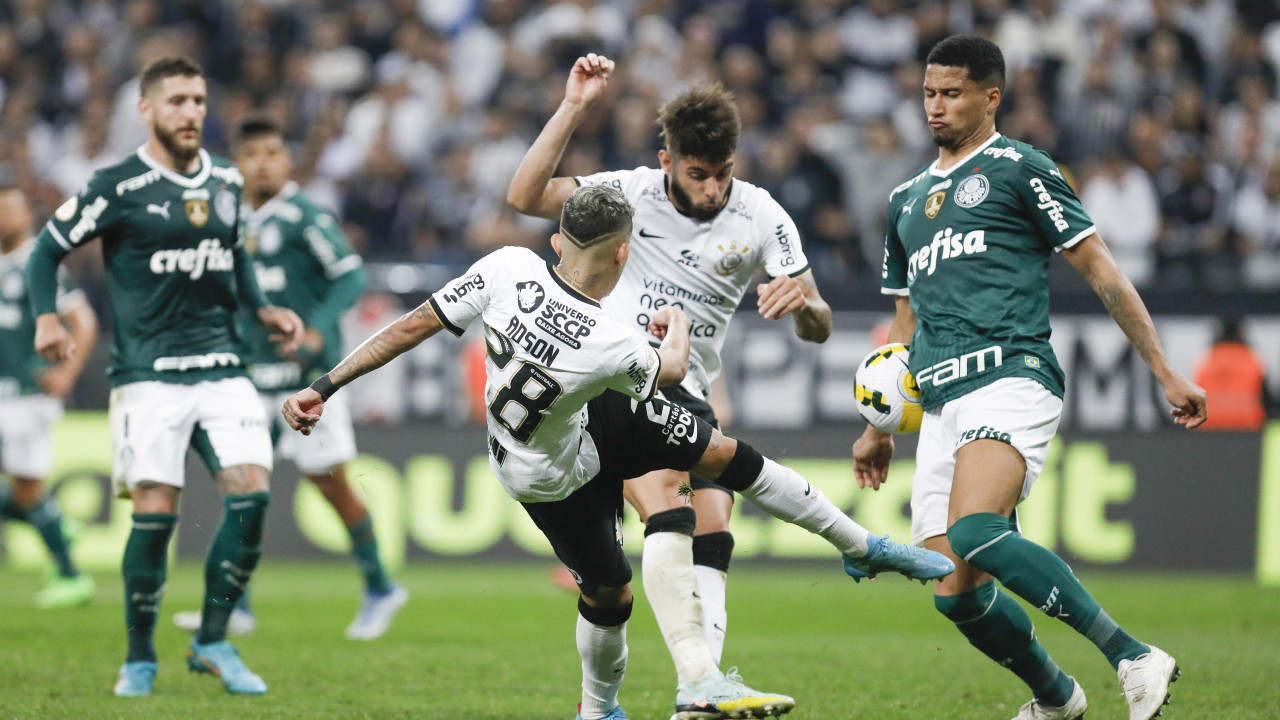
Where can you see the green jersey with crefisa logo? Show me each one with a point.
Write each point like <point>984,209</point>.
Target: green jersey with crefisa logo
<point>970,245</point>
<point>298,252</point>
<point>167,242</point>
<point>20,365</point>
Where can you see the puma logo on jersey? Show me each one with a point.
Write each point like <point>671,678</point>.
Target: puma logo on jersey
<point>1052,207</point>
<point>906,208</point>
<point>208,255</point>
<point>159,209</point>
<point>947,244</point>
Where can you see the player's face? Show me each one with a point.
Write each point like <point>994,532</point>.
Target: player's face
<point>175,110</point>
<point>699,188</point>
<point>264,160</point>
<point>957,108</point>
<point>15,219</point>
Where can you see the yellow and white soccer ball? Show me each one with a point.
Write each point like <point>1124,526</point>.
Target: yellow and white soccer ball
<point>887,394</point>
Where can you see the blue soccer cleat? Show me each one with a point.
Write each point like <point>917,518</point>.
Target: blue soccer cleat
<point>885,555</point>
<point>136,679</point>
<point>222,659</point>
<point>615,714</point>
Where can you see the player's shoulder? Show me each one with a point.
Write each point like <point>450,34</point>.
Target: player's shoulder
<point>226,170</point>
<point>112,179</point>
<point>635,184</point>
<point>302,209</point>
<point>754,204</point>
<point>1015,157</point>
<point>901,191</point>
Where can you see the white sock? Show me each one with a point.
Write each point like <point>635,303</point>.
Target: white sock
<point>787,496</point>
<point>672,588</point>
<point>604,662</point>
<point>715,617</point>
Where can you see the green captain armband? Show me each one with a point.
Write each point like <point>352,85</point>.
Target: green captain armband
<point>324,386</point>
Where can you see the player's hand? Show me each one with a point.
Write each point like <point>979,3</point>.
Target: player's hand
<point>588,79</point>
<point>1190,404</point>
<point>53,342</point>
<point>57,381</point>
<point>302,410</point>
<point>871,455</point>
<point>780,296</point>
<point>309,349</point>
<point>286,323</point>
<point>667,317</point>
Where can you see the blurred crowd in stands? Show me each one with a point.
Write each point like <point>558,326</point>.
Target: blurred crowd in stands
<point>408,117</point>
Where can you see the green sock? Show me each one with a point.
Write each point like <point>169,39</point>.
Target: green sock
<point>1041,578</point>
<point>233,555</point>
<point>143,569</point>
<point>45,517</point>
<point>8,506</point>
<point>998,626</point>
<point>364,546</point>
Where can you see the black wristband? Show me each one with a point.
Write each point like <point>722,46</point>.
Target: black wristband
<point>324,386</point>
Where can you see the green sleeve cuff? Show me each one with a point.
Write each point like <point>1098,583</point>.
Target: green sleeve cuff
<point>247,281</point>
<point>42,277</point>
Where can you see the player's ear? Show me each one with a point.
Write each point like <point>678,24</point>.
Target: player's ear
<point>555,244</point>
<point>664,160</point>
<point>622,253</point>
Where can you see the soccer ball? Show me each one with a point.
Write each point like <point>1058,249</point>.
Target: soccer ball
<point>888,396</point>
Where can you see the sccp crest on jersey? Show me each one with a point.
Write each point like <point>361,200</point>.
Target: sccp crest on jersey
<point>732,259</point>
<point>529,295</point>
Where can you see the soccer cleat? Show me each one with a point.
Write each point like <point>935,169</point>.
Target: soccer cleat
<point>376,612</point>
<point>240,623</point>
<point>1074,708</point>
<point>1144,682</point>
<point>135,679</point>
<point>615,714</point>
<point>222,659</point>
<point>725,696</point>
<point>886,555</point>
<point>62,592</point>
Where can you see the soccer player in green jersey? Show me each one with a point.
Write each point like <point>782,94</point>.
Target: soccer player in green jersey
<point>31,393</point>
<point>304,263</point>
<point>177,274</point>
<point>966,257</point>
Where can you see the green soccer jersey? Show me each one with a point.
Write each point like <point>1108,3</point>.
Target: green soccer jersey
<point>303,262</point>
<point>20,365</point>
<point>971,245</point>
<point>169,243</point>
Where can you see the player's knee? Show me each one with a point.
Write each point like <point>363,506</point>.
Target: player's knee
<point>743,469</point>
<point>713,550</point>
<point>607,615</point>
<point>967,606</point>
<point>681,520</point>
<point>972,533</point>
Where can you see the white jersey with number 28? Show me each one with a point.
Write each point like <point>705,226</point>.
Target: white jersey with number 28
<point>550,350</point>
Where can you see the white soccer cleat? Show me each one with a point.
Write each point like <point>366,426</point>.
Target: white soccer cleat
<point>726,696</point>
<point>1074,708</point>
<point>376,613</point>
<point>1144,682</point>
<point>239,624</point>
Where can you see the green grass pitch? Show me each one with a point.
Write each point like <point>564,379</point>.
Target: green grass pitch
<point>495,642</point>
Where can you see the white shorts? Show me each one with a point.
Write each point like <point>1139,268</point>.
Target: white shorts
<point>332,441</point>
<point>153,423</point>
<point>1019,411</point>
<point>26,435</point>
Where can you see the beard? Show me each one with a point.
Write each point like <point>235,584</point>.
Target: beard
<point>685,204</point>
<point>182,154</point>
<point>946,142</point>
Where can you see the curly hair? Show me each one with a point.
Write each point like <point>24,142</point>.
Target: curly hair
<point>701,122</point>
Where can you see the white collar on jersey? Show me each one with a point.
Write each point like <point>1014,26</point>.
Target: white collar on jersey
<point>933,169</point>
<point>268,208</point>
<point>194,181</point>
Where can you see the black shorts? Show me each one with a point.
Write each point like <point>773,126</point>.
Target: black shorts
<point>696,405</point>
<point>632,439</point>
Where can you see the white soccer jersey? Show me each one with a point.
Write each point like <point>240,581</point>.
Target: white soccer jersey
<point>551,349</point>
<point>704,267</point>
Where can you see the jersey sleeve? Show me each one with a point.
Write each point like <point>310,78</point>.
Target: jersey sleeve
<point>83,216</point>
<point>893,268</point>
<point>638,367</point>
<point>329,246</point>
<point>781,253</point>
<point>464,298</point>
<point>1051,203</point>
<point>69,296</point>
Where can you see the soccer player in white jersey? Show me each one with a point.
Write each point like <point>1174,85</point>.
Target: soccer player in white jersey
<point>966,256</point>
<point>700,237</point>
<point>177,274</point>
<point>31,393</point>
<point>572,412</point>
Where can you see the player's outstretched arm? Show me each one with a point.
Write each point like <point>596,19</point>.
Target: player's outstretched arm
<point>799,297</point>
<point>533,190</point>
<point>303,409</point>
<point>1091,258</point>
<point>672,326</point>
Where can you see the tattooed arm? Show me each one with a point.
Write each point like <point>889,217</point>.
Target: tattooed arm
<point>302,410</point>
<point>1093,261</point>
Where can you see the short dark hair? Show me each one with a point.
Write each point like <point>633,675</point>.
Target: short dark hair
<point>981,57</point>
<point>167,67</point>
<point>254,127</point>
<point>701,122</point>
<point>593,213</point>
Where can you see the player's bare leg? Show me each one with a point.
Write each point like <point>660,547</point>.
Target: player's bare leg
<point>383,598</point>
